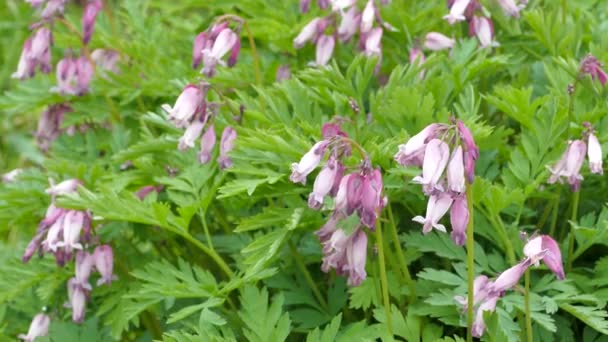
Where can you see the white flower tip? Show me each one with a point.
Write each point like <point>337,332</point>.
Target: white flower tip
<point>439,227</point>
<point>419,219</point>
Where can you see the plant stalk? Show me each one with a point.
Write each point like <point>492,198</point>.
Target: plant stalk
<point>384,279</point>
<point>254,52</point>
<point>575,199</point>
<point>311,283</point>
<point>470,264</point>
<point>527,306</point>
<point>401,256</point>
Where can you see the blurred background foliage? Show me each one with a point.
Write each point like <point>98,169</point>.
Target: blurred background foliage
<point>513,97</point>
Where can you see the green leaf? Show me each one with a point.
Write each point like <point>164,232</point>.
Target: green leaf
<point>263,322</point>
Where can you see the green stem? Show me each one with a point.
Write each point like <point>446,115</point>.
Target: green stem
<point>470,264</point>
<point>383,279</point>
<point>401,256</point>
<point>311,283</point>
<point>153,324</point>
<point>527,307</point>
<point>203,217</point>
<point>210,252</point>
<point>555,213</point>
<point>254,52</point>
<point>575,199</point>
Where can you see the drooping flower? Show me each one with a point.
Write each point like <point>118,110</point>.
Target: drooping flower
<point>347,254</point>
<point>570,164</point>
<point>349,24</point>
<point>591,66</point>
<point>436,157</point>
<point>200,42</point>
<point>471,151</point>
<point>340,5</point>
<point>457,11</point>
<point>49,125</point>
<point>371,198</point>
<point>325,49</point>
<point>324,183</point>
<point>437,206</point>
<point>88,19</point>
<point>84,266</point>
<point>283,73</point>
<point>225,41</point>
<point>308,163</point>
<point>412,152</point>
<point>510,277</point>
<point>192,133</point>
<point>26,67</point>
<point>77,300</point>
<point>368,16</point>
<point>483,29</point>
<point>226,145</point>
<point>455,172</point>
<point>106,60</point>
<point>11,176</point>
<point>594,153</point>
<point>74,75</point>
<point>65,187</point>
<point>304,6</point>
<point>459,219</point>
<point>73,223</point>
<point>509,7</point>
<point>207,142</point>
<point>53,8</point>
<point>144,191</point>
<point>436,41</point>
<point>308,33</point>
<point>38,328</point>
<point>188,103</point>
<point>544,248</point>
<point>479,325</point>
<point>373,46</point>
<point>103,257</point>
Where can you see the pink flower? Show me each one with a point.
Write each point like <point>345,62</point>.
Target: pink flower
<point>590,66</point>
<point>84,265</point>
<point>304,6</point>
<point>207,143</point>
<point>594,153</point>
<point>483,28</point>
<point>308,33</point>
<point>509,277</point>
<point>371,198</point>
<point>144,191</point>
<point>509,7</point>
<point>349,24</point>
<point>544,248</point>
<point>340,5</point>
<point>457,11</point>
<point>436,41</point>
<point>224,42</point>
<point>226,145</point>
<point>26,67</point>
<point>74,75</point>
<point>325,49</point>
<point>39,327</point>
<point>11,176</point>
<point>436,157</point>
<point>324,183</point>
<point>373,46</point>
<point>74,221</point>
<point>481,287</point>
<point>104,263</point>
<point>479,326</point>
<point>455,172</point>
<point>459,218</point>
<point>308,163</point>
<point>437,206</point>
<point>106,60</point>
<point>78,300</point>
<point>187,105</point>
<point>191,134</point>
<point>88,19</point>
<point>234,53</point>
<point>347,254</point>
<point>283,73</point>
<point>417,56</point>
<point>65,187</point>
<point>412,152</point>
<point>570,164</point>
<point>471,151</point>
<point>367,17</point>
<point>49,125</point>
<point>200,42</point>
<point>52,8</point>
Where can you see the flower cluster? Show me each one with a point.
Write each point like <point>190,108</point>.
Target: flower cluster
<point>62,230</point>
<point>571,162</point>
<point>357,193</point>
<point>352,21</point>
<point>431,149</point>
<point>74,75</point>
<point>486,292</point>
<point>79,287</point>
<point>212,45</point>
<point>194,113</point>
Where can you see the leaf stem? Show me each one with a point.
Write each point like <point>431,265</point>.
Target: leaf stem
<point>383,279</point>
<point>575,199</point>
<point>203,216</point>
<point>401,256</point>
<point>527,306</point>
<point>210,252</point>
<point>311,283</point>
<point>470,264</point>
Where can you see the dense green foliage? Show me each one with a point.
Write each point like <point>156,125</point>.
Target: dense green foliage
<point>231,255</point>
